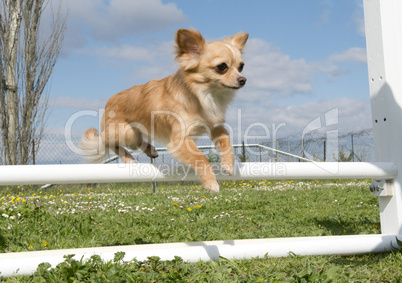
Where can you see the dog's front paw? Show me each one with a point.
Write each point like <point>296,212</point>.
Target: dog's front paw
<point>213,187</point>
<point>227,165</point>
<point>228,168</point>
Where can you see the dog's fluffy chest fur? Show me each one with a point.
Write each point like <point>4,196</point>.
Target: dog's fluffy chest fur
<point>214,105</point>
<point>203,108</point>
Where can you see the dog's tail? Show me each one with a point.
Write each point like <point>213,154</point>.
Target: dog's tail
<point>92,147</point>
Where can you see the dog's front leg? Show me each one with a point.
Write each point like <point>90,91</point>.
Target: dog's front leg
<point>186,151</point>
<point>220,137</point>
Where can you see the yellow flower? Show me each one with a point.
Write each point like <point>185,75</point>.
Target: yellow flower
<point>198,206</point>
<point>188,208</point>
<point>44,243</point>
<point>175,204</point>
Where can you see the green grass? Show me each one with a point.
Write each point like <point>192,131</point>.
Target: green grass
<point>129,214</point>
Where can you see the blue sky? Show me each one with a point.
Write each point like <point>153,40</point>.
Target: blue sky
<point>303,59</point>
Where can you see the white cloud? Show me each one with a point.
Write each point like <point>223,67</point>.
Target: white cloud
<point>354,54</point>
<point>268,68</point>
<point>114,19</point>
<point>274,72</point>
<point>354,115</point>
<point>124,52</point>
<point>152,61</point>
<point>152,53</point>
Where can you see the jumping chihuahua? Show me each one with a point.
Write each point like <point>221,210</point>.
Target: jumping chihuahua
<point>177,109</point>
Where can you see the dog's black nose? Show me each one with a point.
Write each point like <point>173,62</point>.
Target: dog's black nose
<point>241,81</point>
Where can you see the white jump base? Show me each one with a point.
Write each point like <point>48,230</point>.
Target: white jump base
<point>25,263</point>
<point>143,172</point>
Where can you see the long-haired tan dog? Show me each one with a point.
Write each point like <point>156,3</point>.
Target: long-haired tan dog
<point>178,108</point>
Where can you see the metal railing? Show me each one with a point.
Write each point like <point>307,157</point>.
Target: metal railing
<point>159,149</point>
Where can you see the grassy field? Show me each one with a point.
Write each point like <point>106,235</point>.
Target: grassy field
<point>129,214</point>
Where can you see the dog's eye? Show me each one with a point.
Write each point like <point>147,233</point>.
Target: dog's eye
<point>222,68</point>
<point>241,66</point>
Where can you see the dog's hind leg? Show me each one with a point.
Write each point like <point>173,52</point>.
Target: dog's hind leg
<point>117,136</point>
<point>125,156</point>
<point>142,142</point>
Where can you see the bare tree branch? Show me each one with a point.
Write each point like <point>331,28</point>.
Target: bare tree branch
<point>29,58</point>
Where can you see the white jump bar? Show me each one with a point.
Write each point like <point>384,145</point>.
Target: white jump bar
<point>144,172</point>
<point>24,263</point>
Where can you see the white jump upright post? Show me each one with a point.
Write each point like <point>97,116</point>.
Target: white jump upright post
<point>383,26</point>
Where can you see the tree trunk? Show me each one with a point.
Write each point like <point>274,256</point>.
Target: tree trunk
<point>31,16</point>
<point>11,47</point>
<point>3,115</point>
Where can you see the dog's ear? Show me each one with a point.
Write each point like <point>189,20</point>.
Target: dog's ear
<point>189,46</point>
<point>238,40</point>
<point>189,41</point>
